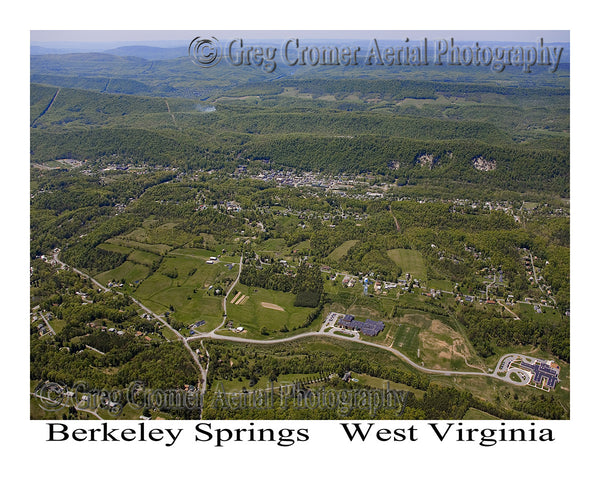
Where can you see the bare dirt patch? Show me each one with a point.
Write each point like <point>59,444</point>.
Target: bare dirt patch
<point>440,345</point>
<point>272,306</point>
<point>241,300</point>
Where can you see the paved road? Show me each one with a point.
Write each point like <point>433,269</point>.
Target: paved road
<point>79,272</point>
<point>216,336</point>
<point>47,323</point>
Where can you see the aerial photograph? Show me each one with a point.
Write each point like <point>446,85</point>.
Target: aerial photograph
<point>299,225</point>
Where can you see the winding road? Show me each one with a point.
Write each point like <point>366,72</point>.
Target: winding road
<point>330,334</point>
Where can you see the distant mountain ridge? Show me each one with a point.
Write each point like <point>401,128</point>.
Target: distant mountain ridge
<point>141,51</point>
<point>148,53</point>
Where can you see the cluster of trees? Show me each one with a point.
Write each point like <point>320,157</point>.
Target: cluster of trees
<point>270,276</point>
<point>487,332</point>
<point>321,122</point>
<point>250,362</point>
<point>68,208</point>
<point>306,282</point>
<point>64,357</point>
<point>164,365</point>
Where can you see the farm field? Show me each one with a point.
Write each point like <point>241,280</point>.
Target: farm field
<point>184,285</point>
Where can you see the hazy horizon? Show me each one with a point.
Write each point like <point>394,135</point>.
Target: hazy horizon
<point>174,38</point>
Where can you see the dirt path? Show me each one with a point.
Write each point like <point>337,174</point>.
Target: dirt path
<point>395,219</point>
<point>170,113</point>
<point>509,310</point>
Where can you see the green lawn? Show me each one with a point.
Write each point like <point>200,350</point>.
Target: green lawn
<point>446,285</point>
<point>110,247</point>
<point>411,261</point>
<point>236,385</point>
<point>159,249</point>
<point>273,246</point>
<point>167,233</point>
<point>58,325</point>
<point>376,382</point>
<point>143,257</point>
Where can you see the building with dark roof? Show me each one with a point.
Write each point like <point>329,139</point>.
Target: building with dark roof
<point>542,372</point>
<point>368,327</point>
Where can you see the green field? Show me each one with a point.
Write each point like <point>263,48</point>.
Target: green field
<point>184,283</point>
<point>236,385</point>
<point>129,271</point>
<point>445,285</point>
<point>275,246</point>
<point>407,339</point>
<point>375,382</point>
<point>159,249</point>
<point>110,247</point>
<point>411,261</point>
<point>143,257</point>
<point>254,317</point>
<point>342,250</point>
<point>166,233</point>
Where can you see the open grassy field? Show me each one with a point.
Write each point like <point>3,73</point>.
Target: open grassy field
<point>111,247</point>
<point>153,233</point>
<point>143,257</point>
<point>159,249</point>
<point>129,271</point>
<point>445,285</point>
<point>182,285</point>
<point>256,312</point>
<point>406,340</point>
<point>411,261</point>
<point>273,246</point>
<point>375,382</point>
<point>342,250</point>
<point>236,385</point>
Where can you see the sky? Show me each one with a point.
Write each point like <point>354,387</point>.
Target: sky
<point>173,37</point>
